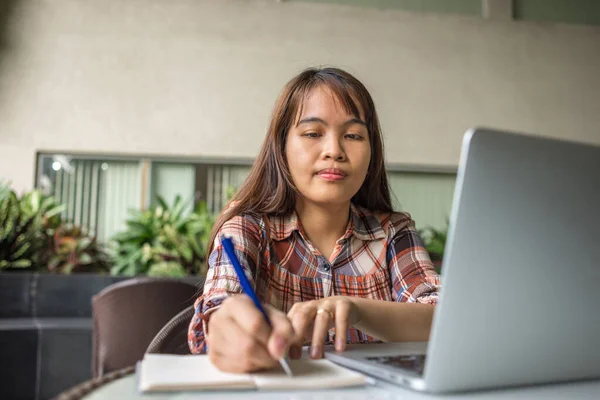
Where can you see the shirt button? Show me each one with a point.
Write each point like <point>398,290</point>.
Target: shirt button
<point>326,267</point>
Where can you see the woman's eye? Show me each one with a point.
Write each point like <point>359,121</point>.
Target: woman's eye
<point>311,134</point>
<point>354,136</point>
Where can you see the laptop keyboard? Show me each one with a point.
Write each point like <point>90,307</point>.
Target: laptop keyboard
<point>415,363</point>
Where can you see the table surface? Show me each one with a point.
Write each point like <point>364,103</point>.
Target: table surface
<point>126,388</point>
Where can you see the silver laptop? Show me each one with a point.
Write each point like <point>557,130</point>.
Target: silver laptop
<point>520,302</point>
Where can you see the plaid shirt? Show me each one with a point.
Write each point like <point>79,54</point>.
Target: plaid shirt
<point>380,256</point>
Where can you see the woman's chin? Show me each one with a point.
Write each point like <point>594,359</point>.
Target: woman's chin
<point>328,200</point>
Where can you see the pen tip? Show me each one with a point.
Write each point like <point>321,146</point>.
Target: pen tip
<point>286,367</point>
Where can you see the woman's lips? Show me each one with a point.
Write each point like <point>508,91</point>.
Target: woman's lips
<point>332,174</point>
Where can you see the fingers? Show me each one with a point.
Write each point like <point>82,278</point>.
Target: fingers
<point>302,316</point>
<point>231,349</point>
<point>241,340</point>
<point>295,352</point>
<point>323,320</point>
<point>342,323</point>
<point>252,321</point>
<point>282,333</point>
<point>312,320</point>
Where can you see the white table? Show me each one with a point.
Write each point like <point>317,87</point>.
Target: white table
<point>125,388</point>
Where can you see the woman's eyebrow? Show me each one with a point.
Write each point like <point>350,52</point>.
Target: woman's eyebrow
<point>322,121</point>
<point>355,121</point>
<point>308,120</point>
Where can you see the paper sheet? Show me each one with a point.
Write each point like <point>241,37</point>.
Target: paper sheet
<point>160,372</point>
<point>187,372</point>
<point>309,374</point>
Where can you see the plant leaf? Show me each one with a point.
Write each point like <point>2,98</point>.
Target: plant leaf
<point>23,263</point>
<point>55,210</point>
<point>85,259</point>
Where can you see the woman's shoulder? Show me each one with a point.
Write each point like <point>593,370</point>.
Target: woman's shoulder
<point>397,221</point>
<point>244,219</point>
<point>242,223</point>
<point>390,222</point>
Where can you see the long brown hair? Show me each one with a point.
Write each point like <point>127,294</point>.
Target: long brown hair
<point>269,189</point>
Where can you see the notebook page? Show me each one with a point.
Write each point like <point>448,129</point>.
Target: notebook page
<point>167,372</point>
<point>309,374</point>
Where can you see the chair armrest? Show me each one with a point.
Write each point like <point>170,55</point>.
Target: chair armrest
<point>172,338</point>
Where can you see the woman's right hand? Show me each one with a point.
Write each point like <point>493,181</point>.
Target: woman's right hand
<point>240,340</point>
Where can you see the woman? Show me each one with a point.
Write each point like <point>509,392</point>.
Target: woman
<point>313,225</point>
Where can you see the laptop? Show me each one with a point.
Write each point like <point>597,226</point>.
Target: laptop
<point>520,298</point>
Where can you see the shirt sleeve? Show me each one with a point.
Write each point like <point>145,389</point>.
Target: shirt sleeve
<point>221,279</point>
<point>414,279</point>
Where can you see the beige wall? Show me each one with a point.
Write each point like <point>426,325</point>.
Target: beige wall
<point>199,77</point>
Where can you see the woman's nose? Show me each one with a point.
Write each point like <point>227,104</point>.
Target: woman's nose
<point>334,150</point>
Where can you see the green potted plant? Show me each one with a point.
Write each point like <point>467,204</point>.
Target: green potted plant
<point>24,222</point>
<point>69,249</point>
<point>163,241</point>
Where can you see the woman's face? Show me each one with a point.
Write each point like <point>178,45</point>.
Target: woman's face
<point>327,150</point>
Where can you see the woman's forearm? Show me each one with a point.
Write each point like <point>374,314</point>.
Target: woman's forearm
<point>394,322</point>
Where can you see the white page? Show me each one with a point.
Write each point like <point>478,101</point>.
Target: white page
<point>309,374</point>
<point>187,372</point>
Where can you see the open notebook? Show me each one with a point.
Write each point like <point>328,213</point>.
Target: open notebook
<point>165,372</point>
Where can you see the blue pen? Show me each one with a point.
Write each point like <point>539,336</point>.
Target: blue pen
<point>247,289</point>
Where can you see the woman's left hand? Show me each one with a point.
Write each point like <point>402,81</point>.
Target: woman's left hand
<point>313,319</point>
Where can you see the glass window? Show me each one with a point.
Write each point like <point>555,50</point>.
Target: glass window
<point>97,192</point>
<point>427,197</point>
<point>100,190</point>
